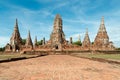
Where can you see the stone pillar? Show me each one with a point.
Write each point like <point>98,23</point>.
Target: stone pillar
<point>35,42</point>
<point>43,42</point>
<point>71,40</point>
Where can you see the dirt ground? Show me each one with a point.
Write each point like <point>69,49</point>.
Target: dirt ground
<point>59,67</point>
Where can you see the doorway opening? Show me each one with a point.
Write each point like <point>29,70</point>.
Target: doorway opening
<point>56,46</point>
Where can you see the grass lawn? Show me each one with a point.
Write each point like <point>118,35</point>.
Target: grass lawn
<point>104,56</point>
<point>9,56</point>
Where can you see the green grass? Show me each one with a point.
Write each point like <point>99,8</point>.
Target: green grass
<point>9,56</point>
<point>104,56</point>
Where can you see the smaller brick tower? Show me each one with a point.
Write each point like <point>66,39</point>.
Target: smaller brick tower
<point>29,41</point>
<point>101,41</point>
<point>86,42</point>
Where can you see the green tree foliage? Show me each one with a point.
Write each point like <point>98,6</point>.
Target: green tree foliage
<point>92,42</point>
<point>23,41</point>
<point>2,49</point>
<point>78,43</point>
<point>39,42</point>
<point>117,48</point>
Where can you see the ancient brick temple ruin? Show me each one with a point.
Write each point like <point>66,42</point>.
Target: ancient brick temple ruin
<point>58,42</point>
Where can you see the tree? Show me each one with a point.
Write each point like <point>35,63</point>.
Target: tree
<point>92,42</point>
<point>78,43</point>
<point>2,49</point>
<point>117,48</point>
<point>23,41</point>
<point>39,42</point>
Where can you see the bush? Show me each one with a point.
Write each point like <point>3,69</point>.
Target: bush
<point>117,48</point>
<point>23,41</point>
<point>2,49</point>
<point>39,42</point>
<point>78,43</point>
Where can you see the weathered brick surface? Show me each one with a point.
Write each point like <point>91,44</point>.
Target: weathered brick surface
<point>59,67</point>
<point>58,42</point>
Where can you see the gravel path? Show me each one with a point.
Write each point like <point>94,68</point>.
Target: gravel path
<point>58,67</point>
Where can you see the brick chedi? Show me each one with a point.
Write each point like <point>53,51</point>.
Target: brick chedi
<point>101,41</point>
<point>15,40</point>
<point>57,37</point>
<point>57,41</point>
<point>86,44</point>
<point>28,45</point>
<point>29,40</point>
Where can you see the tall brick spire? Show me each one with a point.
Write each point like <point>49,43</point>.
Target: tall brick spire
<point>102,38</point>
<point>29,40</point>
<point>57,37</point>
<point>16,38</point>
<point>16,24</point>
<point>86,41</point>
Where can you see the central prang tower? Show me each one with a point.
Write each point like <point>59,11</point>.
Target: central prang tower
<point>57,37</point>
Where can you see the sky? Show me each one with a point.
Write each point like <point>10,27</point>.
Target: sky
<point>77,15</point>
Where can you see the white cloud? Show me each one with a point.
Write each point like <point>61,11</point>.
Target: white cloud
<point>75,22</point>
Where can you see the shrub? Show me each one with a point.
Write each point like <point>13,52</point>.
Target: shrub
<point>78,43</point>
<point>39,42</point>
<point>2,49</point>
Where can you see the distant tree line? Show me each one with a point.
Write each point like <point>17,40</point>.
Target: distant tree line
<point>79,43</point>
<point>117,48</point>
<point>2,49</point>
<point>38,42</point>
<point>23,41</point>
